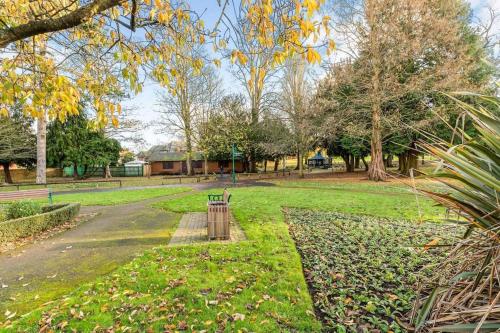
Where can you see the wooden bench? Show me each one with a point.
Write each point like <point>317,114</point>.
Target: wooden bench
<point>26,194</point>
<point>216,199</point>
<point>218,215</point>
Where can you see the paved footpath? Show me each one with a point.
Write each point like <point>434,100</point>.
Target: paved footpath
<point>193,230</point>
<point>40,272</point>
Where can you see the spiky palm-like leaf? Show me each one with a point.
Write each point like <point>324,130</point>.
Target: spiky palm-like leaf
<point>464,294</point>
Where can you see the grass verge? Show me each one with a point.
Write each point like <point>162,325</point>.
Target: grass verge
<point>117,197</point>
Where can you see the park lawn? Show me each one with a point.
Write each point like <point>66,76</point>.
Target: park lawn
<point>254,285</point>
<point>116,197</point>
<point>394,186</point>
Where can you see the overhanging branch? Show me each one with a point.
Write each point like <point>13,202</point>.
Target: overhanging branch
<point>33,28</point>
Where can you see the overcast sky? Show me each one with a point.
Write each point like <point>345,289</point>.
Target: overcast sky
<point>145,104</point>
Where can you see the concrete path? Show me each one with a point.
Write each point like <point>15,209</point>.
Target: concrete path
<point>193,230</point>
<point>37,273</point>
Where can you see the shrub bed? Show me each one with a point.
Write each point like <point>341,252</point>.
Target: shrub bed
<point>50,217</point>
<point>22,208</point>
<point>362,270</point>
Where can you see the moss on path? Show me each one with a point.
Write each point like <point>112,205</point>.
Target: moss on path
<point>41,272</point>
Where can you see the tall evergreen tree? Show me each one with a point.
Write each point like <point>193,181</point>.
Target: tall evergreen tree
<point>18,143</point>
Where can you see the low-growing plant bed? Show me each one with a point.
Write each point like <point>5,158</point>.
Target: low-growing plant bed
<point>51,216</point>
<point>362,270</point>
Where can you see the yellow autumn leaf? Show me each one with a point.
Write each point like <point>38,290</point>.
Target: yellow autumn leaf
<point>313,56</point>
<point>4,112</point>
<point>432,243</point>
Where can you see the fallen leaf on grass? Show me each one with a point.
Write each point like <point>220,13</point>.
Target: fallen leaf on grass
<point>238,316</point>
<point>182,326</point>
<point>9,315</point>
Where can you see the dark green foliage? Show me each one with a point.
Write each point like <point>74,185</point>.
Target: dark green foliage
<point>231,125</point>
<point>17,143</point>
<point>274,138</point>
<point>74,142</point>
<point>27,226</point>
<point>362,269</point>
<point>22,208</point>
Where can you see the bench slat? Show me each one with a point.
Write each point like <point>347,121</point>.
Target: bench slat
<point>25,194</point>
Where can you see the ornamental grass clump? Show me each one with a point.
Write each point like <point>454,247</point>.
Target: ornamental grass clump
<point>464,293</point>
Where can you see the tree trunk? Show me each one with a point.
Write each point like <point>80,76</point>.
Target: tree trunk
<point>189,154</point>
<point>376,170</point>
<point>284,164</point>
<point>356,162</point>
<point>251,163</point>
<point>75,171</point>
<point>205,165</point>
<point>6,172</point>
<point>365,163</point>
<point>351,163</point>
<point>265,165</point>
<point>254,121</point>
<point>297,167</point>
<point>408,160</point>
<point>276,163</point>
<point>347,161</point>
<point>107,173</point>
<point>301,166</point>
<point>388,161</point>
<point>41,150</point>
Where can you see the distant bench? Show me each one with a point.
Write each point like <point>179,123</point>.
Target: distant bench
<point>26,194</point>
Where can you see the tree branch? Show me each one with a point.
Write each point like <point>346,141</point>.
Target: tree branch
<point>73,19</point>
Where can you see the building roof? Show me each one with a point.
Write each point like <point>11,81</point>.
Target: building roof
<point>136,162</point>
<point>162,153</point>
<point>318,156</point>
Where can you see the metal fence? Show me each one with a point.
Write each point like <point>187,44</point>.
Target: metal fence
<point>116,171</point>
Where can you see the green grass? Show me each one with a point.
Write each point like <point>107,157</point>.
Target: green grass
<point>395,187</point>
<point>209,287</point>
<point>116,197</point>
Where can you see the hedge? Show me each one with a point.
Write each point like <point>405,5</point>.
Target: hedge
<point>27,226</point>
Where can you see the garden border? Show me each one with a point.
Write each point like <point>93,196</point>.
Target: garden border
<point>27,226</point>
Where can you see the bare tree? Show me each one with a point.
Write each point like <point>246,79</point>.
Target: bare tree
<point>258,69</point>
<point>295,97</point>
<point>181,104</point>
